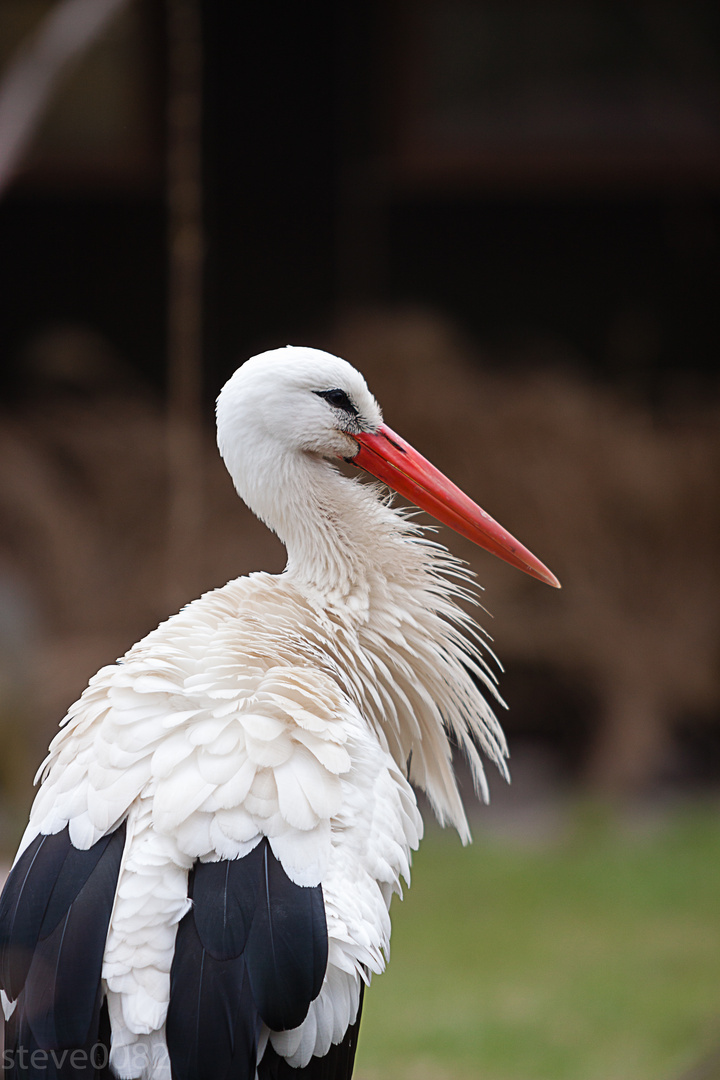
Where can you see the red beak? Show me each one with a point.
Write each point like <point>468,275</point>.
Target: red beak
<point>394,461</point>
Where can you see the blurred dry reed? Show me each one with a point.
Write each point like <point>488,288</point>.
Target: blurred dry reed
<point>624,507</point>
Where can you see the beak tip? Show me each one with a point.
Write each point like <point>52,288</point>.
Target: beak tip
<point>550,579</point>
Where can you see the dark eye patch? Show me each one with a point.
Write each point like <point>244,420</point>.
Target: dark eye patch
<point>338,399</point>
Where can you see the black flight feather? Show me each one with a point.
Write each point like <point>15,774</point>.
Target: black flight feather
<point>287,946</point>
<point>224,898</point>
<point>78,868</point>
<point>25,1060</point>
<point>39,890</point>
<point>23,905</point>
<point>54,918</point>
<point>253,946</point>
<point>62,989</point>
<point>212,1024</point>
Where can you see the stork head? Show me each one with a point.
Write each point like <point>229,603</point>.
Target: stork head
<point>300,401</point>
<point>295,399</point>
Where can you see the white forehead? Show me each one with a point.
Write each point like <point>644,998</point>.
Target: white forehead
<point>298,368</point>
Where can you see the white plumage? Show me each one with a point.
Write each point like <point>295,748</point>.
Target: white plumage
<point>302,708</point>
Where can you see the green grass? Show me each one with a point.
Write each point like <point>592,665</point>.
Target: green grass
<point>596,958</point>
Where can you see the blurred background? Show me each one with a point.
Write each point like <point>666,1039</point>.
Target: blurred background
<point>507,215</point>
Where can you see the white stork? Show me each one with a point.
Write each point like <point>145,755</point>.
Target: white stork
<point>202,891</point>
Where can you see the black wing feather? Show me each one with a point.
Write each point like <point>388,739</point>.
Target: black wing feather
<point>62,990</point>
<point>224,899</point>
<point>23,905</point>
<point>287,946</point>
<point>25,1060</point>
<point>212,1024</point>
<point>40,888</point>
<point>254,946</point>
<point>54,918</point>
<point>78,868</point>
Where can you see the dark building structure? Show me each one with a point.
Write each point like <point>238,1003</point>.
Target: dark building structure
<point>547,174</point>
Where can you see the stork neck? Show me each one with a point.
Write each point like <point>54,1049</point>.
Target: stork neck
<point>330,525</point>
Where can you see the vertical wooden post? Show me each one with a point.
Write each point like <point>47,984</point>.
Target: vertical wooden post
<point>185,295</point>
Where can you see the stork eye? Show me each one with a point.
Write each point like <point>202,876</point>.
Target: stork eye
<point>339,399</point>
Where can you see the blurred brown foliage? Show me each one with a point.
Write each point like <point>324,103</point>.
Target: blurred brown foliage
<point>622,505</point>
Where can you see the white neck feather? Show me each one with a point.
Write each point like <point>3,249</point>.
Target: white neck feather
<point>391,596</point>
<point>335,529</point>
